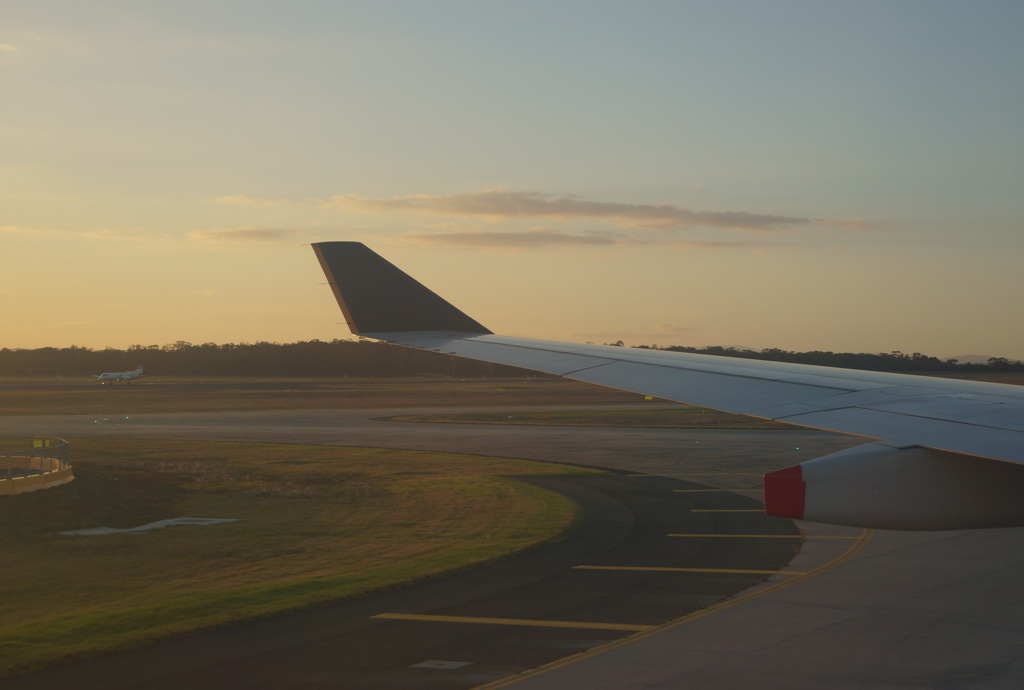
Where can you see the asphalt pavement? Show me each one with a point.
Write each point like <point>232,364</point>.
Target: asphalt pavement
<point>851,610</point>
<point>618,572</point>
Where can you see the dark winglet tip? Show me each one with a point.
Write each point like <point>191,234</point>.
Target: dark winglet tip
<point>377,297</point>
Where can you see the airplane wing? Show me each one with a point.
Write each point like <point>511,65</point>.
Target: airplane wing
<point>938,453</point>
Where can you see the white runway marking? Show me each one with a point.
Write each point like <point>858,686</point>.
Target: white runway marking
<point>173,522</point>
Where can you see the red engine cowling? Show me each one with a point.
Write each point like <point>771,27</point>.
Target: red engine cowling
<point>914,488</point>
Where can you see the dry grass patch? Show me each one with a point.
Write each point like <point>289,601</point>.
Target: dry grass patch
<point>317,524</point>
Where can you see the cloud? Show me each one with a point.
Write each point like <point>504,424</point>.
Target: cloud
<point>527,239</point>
<point>258,235</point>
<point>537,238</point>
<point>245,200</point>
<point>8,48</point>
<point>502,204</point>
<point>103,234</point>
<point>847,223</point>
<point>124,234</point>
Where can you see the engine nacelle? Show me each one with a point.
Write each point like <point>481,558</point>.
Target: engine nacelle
<point>890,488</point>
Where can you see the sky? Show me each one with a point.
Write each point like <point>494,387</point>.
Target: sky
<point>809,175</point>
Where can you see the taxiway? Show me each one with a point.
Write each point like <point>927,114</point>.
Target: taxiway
<point>851,610</point>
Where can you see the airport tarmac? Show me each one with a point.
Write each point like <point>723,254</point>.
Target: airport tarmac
<point>888,609</point>
<point>730,457</point>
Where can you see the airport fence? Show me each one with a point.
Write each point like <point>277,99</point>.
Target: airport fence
<point>46,464</point>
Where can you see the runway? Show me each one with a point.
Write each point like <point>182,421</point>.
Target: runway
<point>864,611</point>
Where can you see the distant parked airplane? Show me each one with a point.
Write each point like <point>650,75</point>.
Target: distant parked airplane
<point>938,454</point>
<point>125,376</point>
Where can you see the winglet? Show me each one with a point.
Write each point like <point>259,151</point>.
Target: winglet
<point>378,297</point>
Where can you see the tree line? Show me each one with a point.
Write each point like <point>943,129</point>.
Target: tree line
<point>895,361</point>
<point>302,359</point>
<point>371,359</point>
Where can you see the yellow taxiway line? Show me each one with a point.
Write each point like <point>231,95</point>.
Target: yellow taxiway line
<point>658,569</point>
<point>766,536</point>
<point>513,621</point>
<point>714,491</point>
<point>860,542</point>
<point>695,474</point>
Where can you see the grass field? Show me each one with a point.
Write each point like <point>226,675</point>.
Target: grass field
<point>317,524</point>
<point>676,417</point>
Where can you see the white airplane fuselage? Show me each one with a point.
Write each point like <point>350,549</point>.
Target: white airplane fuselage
<point>127,376</point>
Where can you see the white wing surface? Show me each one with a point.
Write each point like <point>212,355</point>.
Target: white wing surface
<point>940,453</point>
